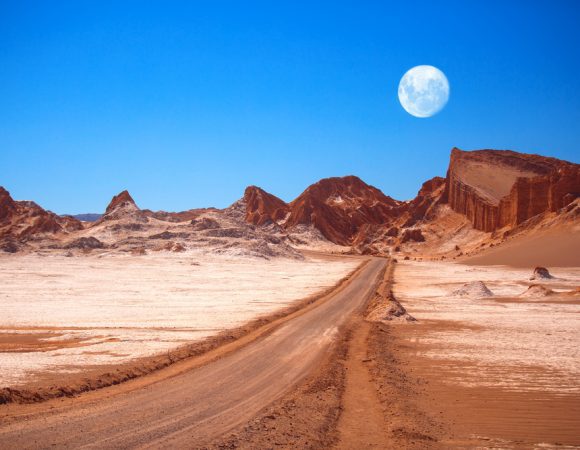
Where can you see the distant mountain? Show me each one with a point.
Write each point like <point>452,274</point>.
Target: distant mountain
<point>88,217</point>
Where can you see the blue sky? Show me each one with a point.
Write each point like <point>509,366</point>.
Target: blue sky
<point>187,103</point>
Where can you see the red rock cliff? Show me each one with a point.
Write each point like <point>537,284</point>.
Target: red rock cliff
<point>501,188</point>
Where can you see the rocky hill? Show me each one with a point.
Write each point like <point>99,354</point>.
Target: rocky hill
<point>340,207</point>
<point>337,207</point>
<point>24,221</point>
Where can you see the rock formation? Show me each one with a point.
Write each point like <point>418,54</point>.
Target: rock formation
<point>263,208</point>
<point>337,207</point>
<point>427,198</point>
<point>412,234</point>
<point>85,243</point>
<point>22,221</point>
<point>122,207</point>
<point>500,188</point>
<point>121,200</point>
<point>7,205</point>
<point>541,273</point>
<point>473,289</point>
<point>537,290</point>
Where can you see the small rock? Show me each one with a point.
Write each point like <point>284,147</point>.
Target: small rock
<point>541,273</point>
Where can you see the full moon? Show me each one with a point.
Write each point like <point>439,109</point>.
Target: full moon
<point>423,91</point>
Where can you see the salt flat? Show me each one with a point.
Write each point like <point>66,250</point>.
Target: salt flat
<point>519,343</point>
<point>63,314</point>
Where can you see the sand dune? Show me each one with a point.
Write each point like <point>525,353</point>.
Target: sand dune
<point>560,248</point>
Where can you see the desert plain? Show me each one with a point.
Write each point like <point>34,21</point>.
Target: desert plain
<point>113,309</point>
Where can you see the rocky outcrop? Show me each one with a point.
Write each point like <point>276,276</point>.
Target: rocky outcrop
<point>500,188</point>
<point>123,208</point>
<point>473,289</point>
<point>412,234</point>
<point>121,200</point>
<point>423,205</point>
<point>340,207</point>
<point>204,223</point>
<point>263,208</point>
<point>7,205</point>
<point>85,243</point>
<point>181,216</point>
<point>22,221</point>
<point>537,290</point>
<point>541,273</point>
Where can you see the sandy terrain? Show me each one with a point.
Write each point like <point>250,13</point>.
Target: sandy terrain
<point>501,369</point>
<point>66,314</point>
<point>560,246</point>
<point>199,405</point>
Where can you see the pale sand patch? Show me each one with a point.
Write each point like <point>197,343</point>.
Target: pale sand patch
<point>107,310</point>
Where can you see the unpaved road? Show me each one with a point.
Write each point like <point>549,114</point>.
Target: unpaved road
<point>196,407</point>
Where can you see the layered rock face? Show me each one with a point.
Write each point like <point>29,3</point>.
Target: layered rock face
<point>501,188</point>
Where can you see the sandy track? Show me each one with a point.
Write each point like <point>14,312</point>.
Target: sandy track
<point>361,424</point>
<point>196,407</point>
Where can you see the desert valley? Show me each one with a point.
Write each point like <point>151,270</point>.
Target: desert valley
<point>342,319</point>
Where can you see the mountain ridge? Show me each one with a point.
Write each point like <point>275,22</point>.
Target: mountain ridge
<point>491,190</point>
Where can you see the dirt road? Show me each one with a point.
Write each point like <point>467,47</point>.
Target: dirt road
<point>196,407</point>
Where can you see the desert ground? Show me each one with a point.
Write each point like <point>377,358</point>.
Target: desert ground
<point>481,358</point>
<point>60,315</point>
<point>504,363</point>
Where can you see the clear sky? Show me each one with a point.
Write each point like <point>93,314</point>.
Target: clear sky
<point>187,103</point>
